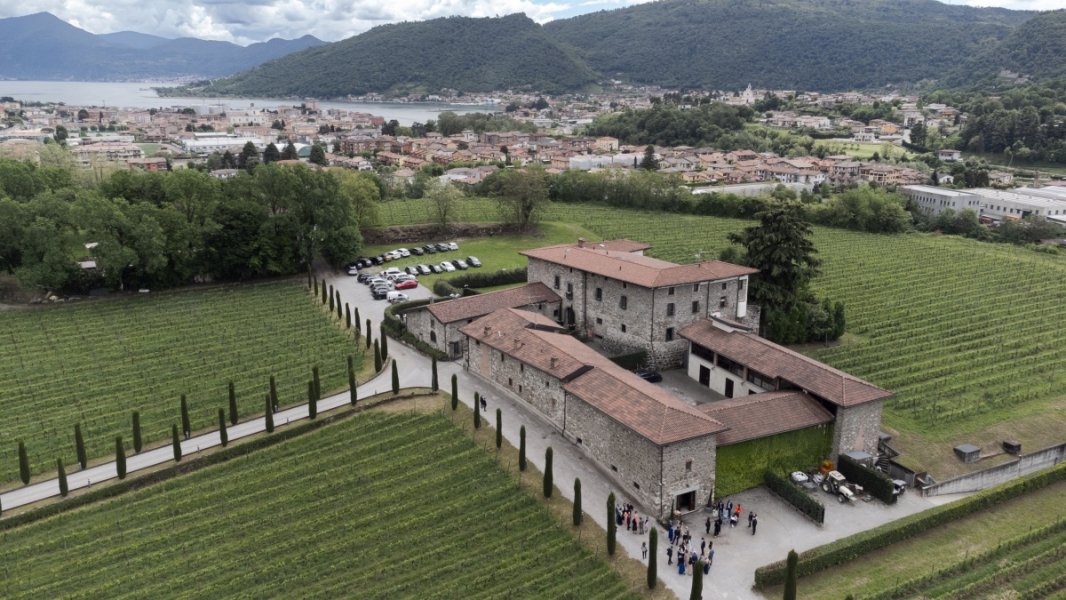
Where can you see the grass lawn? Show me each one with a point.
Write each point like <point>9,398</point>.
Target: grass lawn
<point>1000,160</point>
<point>862,150</point>
<point>94,362</point>
<point>374,506</point>
<point>149,149</point>
<point>940,547</point>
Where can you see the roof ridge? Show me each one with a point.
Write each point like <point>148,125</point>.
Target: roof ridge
<point>804,357</point>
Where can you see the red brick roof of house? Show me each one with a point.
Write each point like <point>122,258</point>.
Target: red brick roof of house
<point>645,408</point>
<point>602,258</point>
<point>773,360</point>
<point>769,413</point>
<point>478,305</point>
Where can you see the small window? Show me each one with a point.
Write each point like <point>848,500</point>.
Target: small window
<point>432,324</point>
<point>510,382</point>
<point>569,288</point>
<point>522,367</point>
<point>740,285</point>
<point>636,485</point>
<point>696,288</point>
<point>670,309</point>
<point>669,334</point>
<point>695,307</point>
<point>599,294</point>
<point>599,321</point>
<point>477,342</point>
<point>725,285</point>
<point>623,302</point>
<point>623,327</point>
<point>670,292</point>
<point>614,468</point>
<point>556,282</point>
<point>688,465</point>
<point>579,441</point>
<point>624,285</point>
<point>721,302</point>
<point>520,388</point>
<point>502,357</point>
<point>432,336</point>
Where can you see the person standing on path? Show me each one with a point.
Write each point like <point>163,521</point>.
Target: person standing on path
<point>754,523</point>
<point>717,526</point>
<point>708,524</point>
<point>751,515</point>
<point>703,546</point>
<point>644,550</point>
<point>669,555</point>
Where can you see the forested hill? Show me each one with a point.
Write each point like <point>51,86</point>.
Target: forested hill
<point>1036,50</point>
<point>459,53</point>
<point>802,44</point>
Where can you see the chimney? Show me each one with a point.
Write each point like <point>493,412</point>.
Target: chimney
<point>553,362</point>
<point>487,330</point>
<point>580,242</point>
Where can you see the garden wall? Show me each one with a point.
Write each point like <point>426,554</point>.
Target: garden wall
<point>741,466</point>
<point>1025,464</point>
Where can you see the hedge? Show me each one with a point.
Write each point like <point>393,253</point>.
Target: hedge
<point>875,482</point>
<point>799,499</point>
<point>479,279</point>
<point>631,361</point>
<point>394,327</point>
<point>741,466</point>
<point>855,546</point>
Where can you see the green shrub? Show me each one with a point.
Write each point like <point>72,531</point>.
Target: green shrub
<point>741,466</point>
<point>175,441</point>
<point>273,393</point>
<point>455,392</point>
<point>522,448</point>
<point>790,575</point>
<point>120,457</point>
<point>548,478</point>
<point>312,401</point>
<point>377,357</point>
<point>352,391</point>
<point>268,415</point>
<point>64,489</point>
<point>79,446</point>
<point>852,547</point>
<point>233,415</point>
<point>653,557</point>
<point>484,279</point>
<point>578,515</point>
<point>434,382</point>
<point>801,500</point>
<point>442,288</point>
<point>186,424</point>
<point>395,378</point>
<point>24,463</point>
<point>612,526</point>
<point>136,431</point>
<point>223,435</point>
<point>875,482</point>
<point>384,343</point>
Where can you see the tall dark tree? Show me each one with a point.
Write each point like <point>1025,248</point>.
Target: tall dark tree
<point>175,442</point>
<point>612,525</point>
<point>697,581</point>
<point>273,393</point>
<point>781,248</point>
<point>649,162</point>
<point>228,160</point>
<point>499,429</point>
<point>395,379</point>
<point>136,431</point>
<point>477,411</point>
<point>355,320</point>
<point>338,304</point>
<point>368,336</point>
<point>455,392</point>
<point>377,356</point>
<point>790,575</point>
<point>318,155</point>
<point>61,473</point>
<point>268,414</point>
<point>548,477</point>
<point>347,316</point>
<point>312,400</point>
<point>521,195</point>
<point>384,343</point>
<point>186,424</point>
<point>223,435</point>
<point>79,446</point>
<point>317,381</point>
<point>233,416</point>
<point>271,154</point>
<point>578,514</point>
<point>653,557</point>
<point>24,463</point>
<point>352,392</point>
<point>434,382</point>
<point>522,448</point>
<point>289,153</point>
<point>120,457</point>
<point>248,158</point>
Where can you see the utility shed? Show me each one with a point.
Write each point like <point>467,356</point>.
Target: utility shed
<point>968,453</point>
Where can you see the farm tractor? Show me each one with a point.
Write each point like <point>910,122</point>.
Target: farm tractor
<point>835,483</point>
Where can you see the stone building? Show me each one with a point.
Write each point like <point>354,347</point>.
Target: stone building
<point>438,323</point>
<point>732,361</point>
<point>611,292</point>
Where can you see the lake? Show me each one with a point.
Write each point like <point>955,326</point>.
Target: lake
<point>141,95</point>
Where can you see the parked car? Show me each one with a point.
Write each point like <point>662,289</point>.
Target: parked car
<point>447,266</point>
<point>649,375</point>
<point>353,271</point>
<point>379,293</point>
<point>404,252</point>
<point>411,270</point>
<point>417,251</point>
<point>424,270</point>
<point>378,260</point>
<point>436,268</point>
<point>407,284</point>
<point>473,261</point>
<point>460,264</point>
<point>453,246</point>
<point>430,249</point>
<point>394,297</point>
<point>391,271</point>
<point>362,277</point>
<point>442,247</point>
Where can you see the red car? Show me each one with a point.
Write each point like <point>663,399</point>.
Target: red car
<point>407,284</point>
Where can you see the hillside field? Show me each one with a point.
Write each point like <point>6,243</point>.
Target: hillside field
<point>375,506</point>
<point>967,334</point>
<point>94,362</point>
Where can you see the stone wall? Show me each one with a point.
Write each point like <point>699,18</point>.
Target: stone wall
<point>1023,465</point>
<point>857,428</point>
<point>542,391</point>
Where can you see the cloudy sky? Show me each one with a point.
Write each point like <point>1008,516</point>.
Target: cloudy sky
<point>250,21</point>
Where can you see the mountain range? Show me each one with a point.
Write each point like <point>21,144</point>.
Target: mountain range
<point>42,46</point>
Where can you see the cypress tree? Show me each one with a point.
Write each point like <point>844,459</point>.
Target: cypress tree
<point>136,431</point>
<point>330,298</point>
<point>317,381</point>
<point>79,446</point>
<point>368,336</point>
<point>435,383</point>
<point>186,425</point>
<point>377,356</point>
<point>268,415</point>
<point>175,441</point>
<point>395,379</point>
<point>315,280</point>
<point>339,313</point>
<point>312,401</point>
<point>384,343</point>
<point>653,558</point>
<point>548,472</point>
<point>522,448</point>
<point>455,392</point>
<point>499,429</point>
<point>790,575</point>
<point>612,525</point>
<point>697,581</point>
<point>352,394</point>
<point>477,412</point>
<point>233,416</point>
<point>323,292</point>
<point>273,394</point>
<point>24,463</point>
<point>356,321</point>
<point>223,435</point>
<point>347,316</point>
<point>120,457</point>
<point>578,516</point>
<point>63,488</point>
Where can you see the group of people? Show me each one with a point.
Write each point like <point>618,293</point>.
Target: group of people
<point>679,535</point>
<point>727,511</point>
<point>627,515</point>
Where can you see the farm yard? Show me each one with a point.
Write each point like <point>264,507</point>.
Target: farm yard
<point>94,362</point>
<point>379,506</point>
<point>967,334</point>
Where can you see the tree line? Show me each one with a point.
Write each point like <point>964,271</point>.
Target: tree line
<point>169,229</point>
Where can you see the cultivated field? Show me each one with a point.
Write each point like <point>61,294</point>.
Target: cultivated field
<point>95,362</point>
<point>376,506</point>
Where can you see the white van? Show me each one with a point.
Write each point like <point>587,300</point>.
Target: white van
<point>394,297</point>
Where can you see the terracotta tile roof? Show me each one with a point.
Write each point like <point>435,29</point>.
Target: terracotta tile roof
<point>478,305</point>
<point>647,409</point>
<point>773,360</point>
<point>630,267</point>
<point>761,415</point>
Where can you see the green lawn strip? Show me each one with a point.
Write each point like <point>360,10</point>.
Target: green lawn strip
<point>94,363</point>
<point>888,567</point>
<point>408,492</point>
